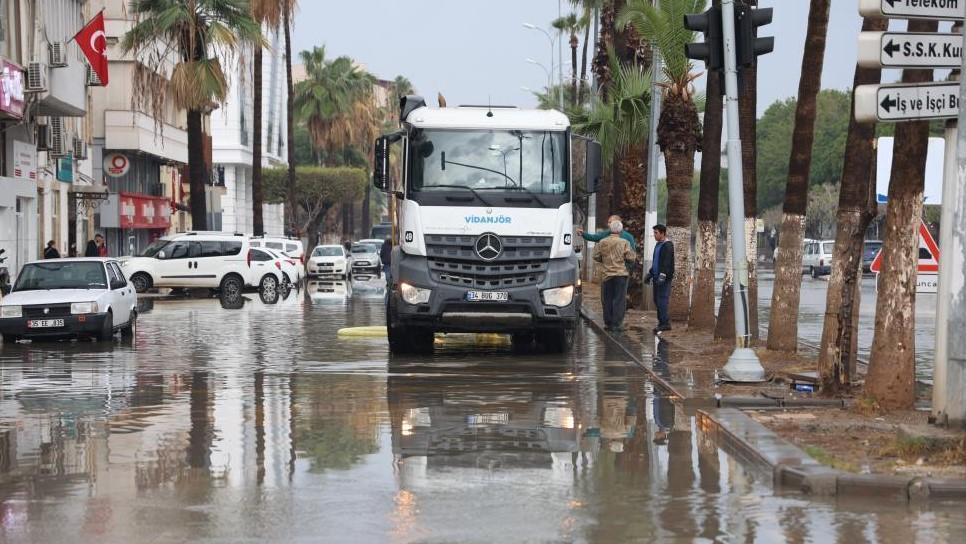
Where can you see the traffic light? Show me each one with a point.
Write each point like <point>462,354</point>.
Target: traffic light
<point>748,45</point>
<point>712,50</point>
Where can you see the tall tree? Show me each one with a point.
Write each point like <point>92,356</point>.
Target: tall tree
<point>679,130</point>
<point>288,10</point>
<point>588,8</point>
<point>571,24</point>
<point>204,35</point>
<point>837,357</point>
<point>892,364</point>
<point>702,298</point>
<point>268,14</point>
<point>783,328</point>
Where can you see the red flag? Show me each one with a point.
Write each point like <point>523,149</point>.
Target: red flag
<point>93,43</point>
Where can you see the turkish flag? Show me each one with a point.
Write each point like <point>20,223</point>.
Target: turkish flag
<point>93,43</point>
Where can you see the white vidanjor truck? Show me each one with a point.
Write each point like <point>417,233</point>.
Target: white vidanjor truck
<point>483,223</point>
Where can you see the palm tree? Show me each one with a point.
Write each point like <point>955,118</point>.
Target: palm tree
<point>702,299</point>
<point>588,8</point>
<point>572,24</point>
<point>267,13</point>
<point>288,9</point>
<point>837,357</point>
<point>891,380</point>
<point>204,35</point>
<point>783,325</point>
<point>679,130</point>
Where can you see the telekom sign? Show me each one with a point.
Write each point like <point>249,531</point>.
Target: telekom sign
<point>11,89</point>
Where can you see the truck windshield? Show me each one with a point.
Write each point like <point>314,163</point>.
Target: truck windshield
<point>494,160</point>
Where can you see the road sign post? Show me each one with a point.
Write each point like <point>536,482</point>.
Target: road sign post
<point>910,50</point>
<point>943,10</point>
<point>904,102</point>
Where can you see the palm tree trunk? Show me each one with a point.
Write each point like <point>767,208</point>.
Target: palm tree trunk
<point>783,328</point>
<point>680,172</point>
<point>289,110</point>
<point>583,60</point>
<point>702,298</point>
<point>892,365</point>
<point>197,170</point>
<point>573,67</point>
<point>837,357</point>
<point>258,226</point>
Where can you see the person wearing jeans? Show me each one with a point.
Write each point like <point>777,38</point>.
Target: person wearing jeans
<point>661,273</point>
<point>613,253</point>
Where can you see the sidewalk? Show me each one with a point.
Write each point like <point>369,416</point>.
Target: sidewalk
<point>817,445</point>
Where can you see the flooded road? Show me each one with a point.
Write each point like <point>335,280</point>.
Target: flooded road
<point>257,422</point>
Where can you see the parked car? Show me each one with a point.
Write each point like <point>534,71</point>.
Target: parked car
<point>194,259</point>
<point>817,257</point>
<point>365,260</point>
<point>372,241</point>
<point>78,297</point>
<point>290,267</point>
<point>330,260</point>
<point>869,250</point>
<point>265,273</point>
<point>289,247</point>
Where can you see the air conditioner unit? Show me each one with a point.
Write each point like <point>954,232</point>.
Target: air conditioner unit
<point>58,138</point>
<point>36,77</point>
<point>80,149</point>
<point>43,137</point>
<point>58,55</point>
<point>92,79</point>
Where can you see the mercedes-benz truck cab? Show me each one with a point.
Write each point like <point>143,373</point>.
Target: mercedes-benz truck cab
<point>483,224</point>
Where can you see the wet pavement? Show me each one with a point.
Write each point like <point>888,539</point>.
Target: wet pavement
<point>257,422</point>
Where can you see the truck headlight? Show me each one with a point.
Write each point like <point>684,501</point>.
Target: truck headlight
<point>11,311</point>
<point>414,295</point>
<point>559,296</point>
<point>83,308</point>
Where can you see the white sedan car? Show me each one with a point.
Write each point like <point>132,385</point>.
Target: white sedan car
<point>83,297</point>
<point>330,260</point>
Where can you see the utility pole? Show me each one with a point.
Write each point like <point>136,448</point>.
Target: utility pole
<point>949,373</point>
<point>592,198</point>
<point>559,57</point>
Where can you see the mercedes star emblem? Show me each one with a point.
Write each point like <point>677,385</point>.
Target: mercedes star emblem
<point>489,246</point>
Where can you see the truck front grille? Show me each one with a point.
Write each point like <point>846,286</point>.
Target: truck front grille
<point>453,260</point>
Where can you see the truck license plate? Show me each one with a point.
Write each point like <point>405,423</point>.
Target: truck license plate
<point>45,323</point>
<point>487,296</point>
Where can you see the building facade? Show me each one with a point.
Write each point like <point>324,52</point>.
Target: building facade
<point>231,131</point>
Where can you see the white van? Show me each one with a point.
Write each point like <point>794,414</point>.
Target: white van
<point>817,257</point>
<point>197,259</point>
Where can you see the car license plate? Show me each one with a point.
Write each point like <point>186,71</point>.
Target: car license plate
<point>487,296</point>
<point>45,323</point>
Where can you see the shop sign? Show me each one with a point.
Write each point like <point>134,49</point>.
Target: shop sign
<point>24,160</point>
<point>116,164</point>
<point>11,89</point>
<point>144,212</point>
<point>65,169</point>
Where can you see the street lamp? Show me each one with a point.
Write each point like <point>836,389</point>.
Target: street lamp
<point>548,71</point>
<point>552,41</point>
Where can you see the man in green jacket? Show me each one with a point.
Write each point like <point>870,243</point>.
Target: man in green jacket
<point>601,234</point>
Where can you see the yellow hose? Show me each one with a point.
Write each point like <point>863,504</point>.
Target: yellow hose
<point>363,332</point>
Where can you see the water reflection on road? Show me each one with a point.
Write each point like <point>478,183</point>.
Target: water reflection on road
<point>243,420</point>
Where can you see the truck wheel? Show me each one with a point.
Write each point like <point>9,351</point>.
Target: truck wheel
<point>557,340</point>
<point>521,341</point>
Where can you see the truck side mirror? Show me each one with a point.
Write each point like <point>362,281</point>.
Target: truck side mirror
<point>595,165</point>
<point>380,169</point>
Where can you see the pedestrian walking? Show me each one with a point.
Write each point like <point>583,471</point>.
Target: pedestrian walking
<point>91,249</point>
<point>101,245</point>
<point>385,255</point>
<point>662,273</point>
<point>613,253</point>
<point>50,252</point>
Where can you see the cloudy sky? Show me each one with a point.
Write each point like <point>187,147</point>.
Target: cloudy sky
<point>474,51</point>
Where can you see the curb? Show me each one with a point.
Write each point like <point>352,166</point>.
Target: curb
<point>791,468</point>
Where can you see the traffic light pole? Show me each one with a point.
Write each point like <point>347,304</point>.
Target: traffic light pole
<point>743,365</point>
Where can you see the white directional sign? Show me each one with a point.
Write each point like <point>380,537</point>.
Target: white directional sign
<point>950,10</point>
<point>910,50</point>
<point>906,102</point>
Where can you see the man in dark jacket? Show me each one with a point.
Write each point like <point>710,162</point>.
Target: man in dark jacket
<point>51,251</point>
<point>385,255</point>
<point>661,273</point>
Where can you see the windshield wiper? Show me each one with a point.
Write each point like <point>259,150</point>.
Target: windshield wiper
<point>468,188</point>
<point>444,162</point>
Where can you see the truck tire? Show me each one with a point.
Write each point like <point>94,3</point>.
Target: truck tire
<point>559,340</point>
